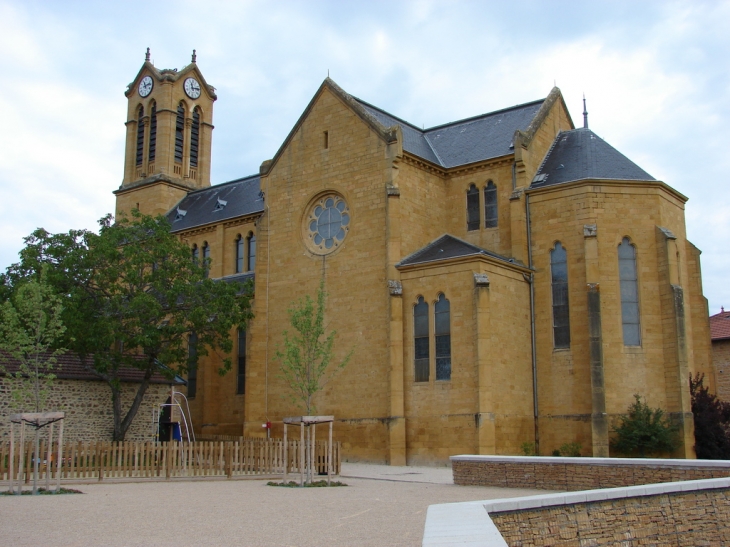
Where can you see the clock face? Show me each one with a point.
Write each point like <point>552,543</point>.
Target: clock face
<point>145,86</point>
<point>192,88</point>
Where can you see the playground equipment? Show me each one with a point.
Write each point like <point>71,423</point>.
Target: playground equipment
<point>169,420</point>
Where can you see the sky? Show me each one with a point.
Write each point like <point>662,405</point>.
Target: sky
<point>656,76</point>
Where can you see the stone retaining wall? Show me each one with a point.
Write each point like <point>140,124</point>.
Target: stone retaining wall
<point>571,474</point>
<point>88,408</point>
<point>672,519</point>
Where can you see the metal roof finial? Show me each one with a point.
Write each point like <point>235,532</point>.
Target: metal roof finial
<point>194,56</point>
<point>147,56</point>
<point>585,113</point>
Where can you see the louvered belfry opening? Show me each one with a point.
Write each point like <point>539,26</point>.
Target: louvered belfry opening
<point>140,135</point>
<point>153,133</point>
<point>194,138</point>
<point>179,133</point>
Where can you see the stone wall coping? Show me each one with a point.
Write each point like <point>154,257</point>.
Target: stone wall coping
<point>603,494</point>
<point>638,462</point>
<point>468,524</point>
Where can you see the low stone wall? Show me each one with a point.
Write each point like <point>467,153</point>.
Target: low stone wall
<point>571,474</point>
<point>677,518</point>
<point>88,408</point>
<point>690,513</point>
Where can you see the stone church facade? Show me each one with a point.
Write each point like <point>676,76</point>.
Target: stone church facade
<point>503,279</point>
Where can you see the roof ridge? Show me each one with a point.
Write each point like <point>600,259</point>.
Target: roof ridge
<point>550,151</point>
<point>484,115</point>
<point>433,149</point>
<point>401,120</point>
<point>215,186</point>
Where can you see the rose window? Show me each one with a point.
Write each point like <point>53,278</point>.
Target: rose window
<point>328,223</point>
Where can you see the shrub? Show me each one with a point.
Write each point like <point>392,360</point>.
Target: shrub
<point>644,431</point>
<point>528,449</point>
<point>712,422</point>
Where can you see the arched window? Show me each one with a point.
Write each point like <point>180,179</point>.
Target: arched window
<point>179,132</point>
<point>140,135</point>
<point>192,364</point>
<point>442,330</point>
<point>629,293</point>
<point>153,133</point>
<point>241,372</point>
<point>239,253</point>
<point>472,208</point>
<point>490,205</point>
<point>194,137</point>
<point>206,258</point>
<point>196,254</point>
<point>251,258</point>
<point>561,316</point>
<point>420,340</point>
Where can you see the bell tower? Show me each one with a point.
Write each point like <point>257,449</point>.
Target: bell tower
<point>169,132</point>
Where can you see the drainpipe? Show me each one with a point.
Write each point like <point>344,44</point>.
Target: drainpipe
<point>532,324</point>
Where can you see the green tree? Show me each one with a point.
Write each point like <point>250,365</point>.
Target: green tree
<point>644,431</point>
<point>30,328</point>
<point>308,352</point>
<point>131,297</point>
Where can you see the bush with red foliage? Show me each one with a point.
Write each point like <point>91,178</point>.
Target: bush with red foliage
<point>712,422</point>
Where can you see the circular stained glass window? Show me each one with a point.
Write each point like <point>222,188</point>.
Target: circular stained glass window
<point>327,224</point>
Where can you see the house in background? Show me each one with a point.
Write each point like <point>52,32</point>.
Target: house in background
<point>502,279</point>
<point>720,330</point>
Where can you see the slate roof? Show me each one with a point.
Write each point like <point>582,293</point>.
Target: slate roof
<point>720,325</point>
<point>241,197</point>
<point>581,154</point>
<point>465,141</point>
<point>446,247</point>
<point>70,367</point>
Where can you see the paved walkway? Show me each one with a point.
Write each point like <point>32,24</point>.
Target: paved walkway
<point>382,506</point>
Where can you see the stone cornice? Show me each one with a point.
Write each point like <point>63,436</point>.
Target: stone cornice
<point>159,178</point>
<point>655,184</point>
<point>448,172</point>
<point>476,257</point>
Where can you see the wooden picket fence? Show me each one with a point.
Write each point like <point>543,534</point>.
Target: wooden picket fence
<point>138,460</point>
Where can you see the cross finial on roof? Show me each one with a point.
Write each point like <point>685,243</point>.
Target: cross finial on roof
<point>147,56</point>
<point>585,113</point>
<point>194,56</point>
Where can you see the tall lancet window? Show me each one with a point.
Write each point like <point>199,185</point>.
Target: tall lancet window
<point>421,340</point>
<point>195,137</point>
<point>140,135</point>
<point>629,293</point>
<point>239,254</point>
<point>206,258</point>
<point>442,330</point>
<point>472,208</point>
<point>561,316</point>
<point>153,133</point>
<point>251,252</point>
<point>490,205</point>
<point>179,132</point>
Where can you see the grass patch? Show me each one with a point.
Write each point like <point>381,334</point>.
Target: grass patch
<point>315,484</point>
<point>43,492</point>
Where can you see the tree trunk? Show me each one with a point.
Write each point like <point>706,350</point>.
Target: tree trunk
<point>121,425</point>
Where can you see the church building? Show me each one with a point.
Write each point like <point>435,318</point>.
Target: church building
<point>504,279</point>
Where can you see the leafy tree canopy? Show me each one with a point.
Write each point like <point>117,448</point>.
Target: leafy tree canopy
<point>131,296</point>
<point>644,431</point>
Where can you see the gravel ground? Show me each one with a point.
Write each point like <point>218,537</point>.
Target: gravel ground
<point>386,507</point>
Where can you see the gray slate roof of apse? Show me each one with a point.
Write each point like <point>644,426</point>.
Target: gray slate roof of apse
<point>465,141</point>
<point>581,154</point>
<point>202,206</point>
<point>445,247</point>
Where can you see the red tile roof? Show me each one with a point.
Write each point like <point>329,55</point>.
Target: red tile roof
<point>70,367</point>
<point>720,325</point>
